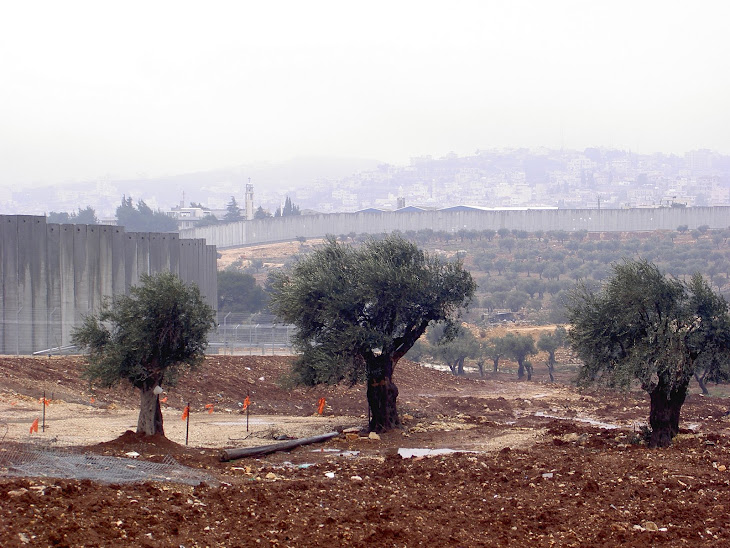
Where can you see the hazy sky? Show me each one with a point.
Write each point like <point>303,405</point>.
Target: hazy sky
<point>97,88</point>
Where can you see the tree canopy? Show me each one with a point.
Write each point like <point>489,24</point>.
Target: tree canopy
<point>550,342</point>
<point>233,212</point>
<point>359,310</point>
<point>641,325</point>
<point>239,292</point>
<point>142,218</point>
<point>519,348</point>
<point>288,210</point>
<point>86,216</point>
<point>454,349</point>
<point>145,338</point>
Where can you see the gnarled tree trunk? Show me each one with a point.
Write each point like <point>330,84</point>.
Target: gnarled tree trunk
<point>664,414</point>
<point>382,394</point>
<point>701,381</point>
<point>150,414</point>
<point>520,370</point>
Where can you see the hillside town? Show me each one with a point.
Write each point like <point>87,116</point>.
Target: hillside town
<point>512,178</point>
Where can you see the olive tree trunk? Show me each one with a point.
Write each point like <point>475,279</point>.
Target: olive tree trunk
<point>664,414</point>
<point>150,414</point>
<point>382,395</point>
<point>701,381</point>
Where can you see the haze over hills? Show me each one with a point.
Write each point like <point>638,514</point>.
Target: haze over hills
<point>213,188</point>
<point>540,178</point>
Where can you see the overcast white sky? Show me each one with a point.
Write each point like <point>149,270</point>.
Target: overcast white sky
<point>94,88</point>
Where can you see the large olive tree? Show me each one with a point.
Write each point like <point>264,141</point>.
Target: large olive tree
<point>643,325</point>
<point>145,338</point>
<point>359,310</point>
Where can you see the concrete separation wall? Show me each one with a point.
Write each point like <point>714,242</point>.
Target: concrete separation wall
<point>593,220</point>
<point>52,275</point>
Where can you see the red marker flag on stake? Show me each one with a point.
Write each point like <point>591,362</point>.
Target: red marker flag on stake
<point>186,412</point>
<point>44,401</point>
<point>93,399</point>
<point>164,400</point>
<point>320,408</point>
<point>34,427</point>
<point>209,407</point>
<point>246,403</point>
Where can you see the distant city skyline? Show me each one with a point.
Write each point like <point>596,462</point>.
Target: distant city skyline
<point>95,90</point>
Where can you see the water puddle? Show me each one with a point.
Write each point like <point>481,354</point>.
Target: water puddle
<point>592,422</point>
<point>408,453</point>
<point>336,452</point>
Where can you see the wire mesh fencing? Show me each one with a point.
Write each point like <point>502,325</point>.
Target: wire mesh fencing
<point>39,461</point>
<point>30,331</point>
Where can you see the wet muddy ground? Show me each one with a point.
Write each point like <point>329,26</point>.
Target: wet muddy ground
<point>538,463</point>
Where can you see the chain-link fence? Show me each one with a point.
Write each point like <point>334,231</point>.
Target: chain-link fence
<point>38,331</point>
<point>256,334</point>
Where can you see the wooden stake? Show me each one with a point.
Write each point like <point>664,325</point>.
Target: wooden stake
<point>43,428</point>
<point>187,425</point>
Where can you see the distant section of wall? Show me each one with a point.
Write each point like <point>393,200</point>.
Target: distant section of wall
<point>52,275</point>
<point>592,220</point>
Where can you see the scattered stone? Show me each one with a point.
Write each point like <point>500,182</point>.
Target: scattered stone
<point>547,475</point>
<point>721,468</point>
<point>23,538</point>
<point>330,474</point>
<point>270,476</point>
<point>374,436</point>
<point>17,492</point>
<point>356,478</point>
<point>650,526</point>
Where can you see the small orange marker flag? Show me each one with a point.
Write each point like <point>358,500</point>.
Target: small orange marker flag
<point>186,412</point>
<point>34,427</point>
<point>44,401</point>
<point>93,399</point>
<point>164,400</point>
<point>246,403</point>
<point>321,403</point>
<point>209,407</point>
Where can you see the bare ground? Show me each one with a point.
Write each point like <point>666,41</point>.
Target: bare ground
<point>541,464</point>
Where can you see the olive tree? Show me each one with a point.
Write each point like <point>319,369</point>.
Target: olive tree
<point>359,310</point>
<point>642,325</point>
<point>454,349</point>
<point>145,338</point>
<point>550,342</point>
<point>519,347</point>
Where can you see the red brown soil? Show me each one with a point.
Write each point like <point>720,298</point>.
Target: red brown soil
<point>534,480</point>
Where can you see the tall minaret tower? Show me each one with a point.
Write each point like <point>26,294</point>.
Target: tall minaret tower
<point>249,200</point>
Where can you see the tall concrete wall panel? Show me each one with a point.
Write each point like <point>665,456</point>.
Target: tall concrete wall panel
<point>106,262</point>
<point>25,282</point>
<point>593,220</point>
<point>131,272</point>
<point>119,272</point>
<point>173,248</point>
<point>52,275</point>
<point>143,253</point>
<point>68,281</point>
<point>53,272</point>
<point>81,274</point>
<point>94,258</point>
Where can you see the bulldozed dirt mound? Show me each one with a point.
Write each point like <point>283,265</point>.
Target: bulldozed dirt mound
<point>537,463</point>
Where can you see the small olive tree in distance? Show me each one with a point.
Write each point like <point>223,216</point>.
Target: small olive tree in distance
<point>145,338</point>
<point>641,325</point>
<point>359,310</point>
<point>519,347</point>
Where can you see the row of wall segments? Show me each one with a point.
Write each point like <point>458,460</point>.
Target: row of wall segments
<point>52,275</point>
